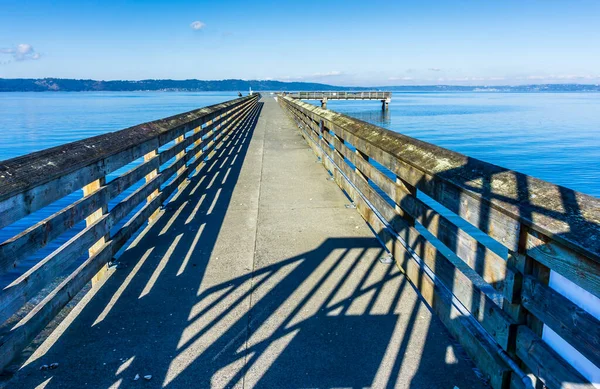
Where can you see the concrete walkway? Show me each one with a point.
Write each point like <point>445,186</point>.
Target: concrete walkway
<point>256,275</point>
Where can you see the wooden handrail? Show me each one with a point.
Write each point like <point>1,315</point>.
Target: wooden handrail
<point>23,178</point>
<point>30,182</point>
<point>534,226</point>
<point>558,212</point>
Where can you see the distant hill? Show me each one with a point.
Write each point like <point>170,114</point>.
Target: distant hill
<point>71,85</point>
<point>501,88</point>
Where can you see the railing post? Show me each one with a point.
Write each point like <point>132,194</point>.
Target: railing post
<point>149,177</point>
<point>365,157</point>
<point>531,267</point>
<point>196,144</point>
<point>412,191</point>
<point>91,219</point>
<point>518,263</point>
<point>522,265</point>
<point>210,122</point>
<point>321,128</point>
<point>180,155</point>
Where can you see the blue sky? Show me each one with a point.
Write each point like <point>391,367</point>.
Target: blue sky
<point>473,42</point>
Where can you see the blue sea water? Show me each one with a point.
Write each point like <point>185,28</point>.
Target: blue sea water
<point>35,121</point>
<point>31,122</point>
<point>553,136</point>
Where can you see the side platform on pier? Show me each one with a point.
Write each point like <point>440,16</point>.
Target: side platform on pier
<point>384,97</point>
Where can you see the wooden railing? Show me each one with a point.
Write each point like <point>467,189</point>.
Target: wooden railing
<point>477,240</point>
<point>172,149</point>
<point>341,95</point>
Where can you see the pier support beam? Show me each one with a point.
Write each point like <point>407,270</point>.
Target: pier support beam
<point>385,104</point>
<point>324,103</point>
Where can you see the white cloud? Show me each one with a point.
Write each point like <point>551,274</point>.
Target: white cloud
<point>197,25</point>
<point>314,76</point>
<point>328,74</point>
<point>290,78</point>
<point>400,78</point>
<point>562,77</point>
<point>21,52</point>
<point>454,79</point>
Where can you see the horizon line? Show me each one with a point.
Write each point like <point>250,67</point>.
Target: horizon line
<point>307,82</point>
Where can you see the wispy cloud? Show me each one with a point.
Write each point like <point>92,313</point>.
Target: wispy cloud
<point>289,78</point>
<point>435,69</point>
<point>333,73</point>
<point>564,77</point>
<point>400,79</point>
<point>197,25</point>
<point>469,79</point>
<point>21,52</point>
<point>314,76</point>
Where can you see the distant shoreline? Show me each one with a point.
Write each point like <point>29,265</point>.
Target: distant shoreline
<point>234,85</point>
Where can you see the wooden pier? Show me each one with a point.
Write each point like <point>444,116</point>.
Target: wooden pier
<point>384,97</point>
<point>236,260</point>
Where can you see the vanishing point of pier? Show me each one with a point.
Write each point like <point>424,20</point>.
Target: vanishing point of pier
<point>268,243</point>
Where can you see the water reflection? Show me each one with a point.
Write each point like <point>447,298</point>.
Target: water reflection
<point>376,116</point>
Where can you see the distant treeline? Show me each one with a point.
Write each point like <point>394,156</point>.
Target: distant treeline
<point>71,85</point>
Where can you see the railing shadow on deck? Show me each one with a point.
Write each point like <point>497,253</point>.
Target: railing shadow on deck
<point>485,240</point>
<point>143,319</point>
<point>194,214</point>
<point>535,256</point>
<point>143,290</point>
<point>33,302</point>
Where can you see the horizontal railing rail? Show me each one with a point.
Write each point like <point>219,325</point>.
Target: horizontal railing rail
<point>341,95</point>
<point>478,241</point>
<point>172,149</point>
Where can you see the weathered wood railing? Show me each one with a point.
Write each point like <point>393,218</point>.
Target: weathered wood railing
<point>489,238</point>
<point>172,149</point>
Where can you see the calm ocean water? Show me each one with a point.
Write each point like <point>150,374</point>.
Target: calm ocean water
<point>34,121</point>
<point>555,137</point>
<point>552,136</point>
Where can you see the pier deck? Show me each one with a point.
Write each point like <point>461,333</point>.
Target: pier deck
<point>277,244</point>
<point>255,275</point>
